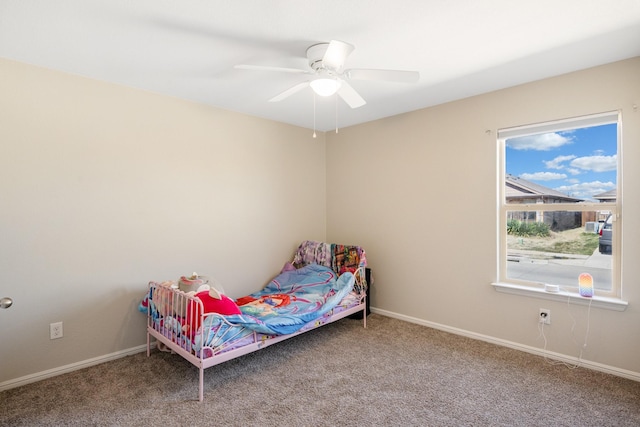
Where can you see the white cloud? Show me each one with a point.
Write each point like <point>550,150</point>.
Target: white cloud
<point>574,171</point>
<point>557,162</point>
<point>596,163</point>
<point>586,190</point>
<point>540,142</point>
<point>542,176</point>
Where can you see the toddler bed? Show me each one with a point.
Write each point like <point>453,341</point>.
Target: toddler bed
<point>324,283</point>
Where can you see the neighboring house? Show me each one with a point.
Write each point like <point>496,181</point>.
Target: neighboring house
<point>521,191</point>
<point>607,196</point>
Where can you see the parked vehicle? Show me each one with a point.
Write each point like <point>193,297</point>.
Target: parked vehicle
<point>604,241</point>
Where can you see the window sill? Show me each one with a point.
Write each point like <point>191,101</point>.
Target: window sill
<point>600,302</point>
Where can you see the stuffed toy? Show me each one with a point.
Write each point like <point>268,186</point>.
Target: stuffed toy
<point>213,301</point>
<point>189,284</point>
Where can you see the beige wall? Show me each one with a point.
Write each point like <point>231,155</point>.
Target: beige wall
<point>103,188</point>
<point>426,212</point>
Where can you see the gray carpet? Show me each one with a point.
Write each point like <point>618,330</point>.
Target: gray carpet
<point>392,373</point>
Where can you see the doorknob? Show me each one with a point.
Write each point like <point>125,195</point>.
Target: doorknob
<point>6,302</point>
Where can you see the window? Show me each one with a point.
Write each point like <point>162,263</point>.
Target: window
<point>559,209</point>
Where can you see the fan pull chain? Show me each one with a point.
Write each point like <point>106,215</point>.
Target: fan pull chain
<point>336,113</point>
<point>314,114</point>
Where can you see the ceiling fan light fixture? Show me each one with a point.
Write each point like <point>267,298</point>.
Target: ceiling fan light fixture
<point>324,86</point>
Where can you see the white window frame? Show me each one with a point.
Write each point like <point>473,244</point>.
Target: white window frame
<point>610,300</point>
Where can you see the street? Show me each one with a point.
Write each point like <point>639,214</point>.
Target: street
<point>563,272</point>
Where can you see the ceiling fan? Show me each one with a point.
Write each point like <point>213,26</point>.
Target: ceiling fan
<point>329,75</point>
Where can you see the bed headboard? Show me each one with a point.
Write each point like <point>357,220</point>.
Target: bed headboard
<point>340,258</point>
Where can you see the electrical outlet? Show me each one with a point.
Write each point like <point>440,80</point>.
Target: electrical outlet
<point>55,330</point>
<point>545,316</point>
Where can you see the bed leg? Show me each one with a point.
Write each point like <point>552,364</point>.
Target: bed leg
<point>364,313</point>
<point>201,396</point>
<point>148,344</point>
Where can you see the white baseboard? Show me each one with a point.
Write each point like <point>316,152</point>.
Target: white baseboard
<point>38,376</point>
<point>516,346</point>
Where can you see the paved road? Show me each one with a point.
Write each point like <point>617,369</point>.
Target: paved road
<point>545,268</point>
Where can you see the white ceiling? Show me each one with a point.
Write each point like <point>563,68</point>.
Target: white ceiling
<point>188,48</point>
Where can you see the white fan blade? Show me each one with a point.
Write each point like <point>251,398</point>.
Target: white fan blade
<point>267,68</point>
<point>350,96</point>
<point>336,54</point>
<point>383,75</point>
<point>289,92</point>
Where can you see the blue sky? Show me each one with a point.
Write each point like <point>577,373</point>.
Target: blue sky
<point>580,163</point>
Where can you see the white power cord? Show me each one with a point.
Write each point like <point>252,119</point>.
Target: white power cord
<point>581,346</point>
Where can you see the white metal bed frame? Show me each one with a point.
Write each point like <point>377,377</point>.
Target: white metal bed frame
<point>175,302</point>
